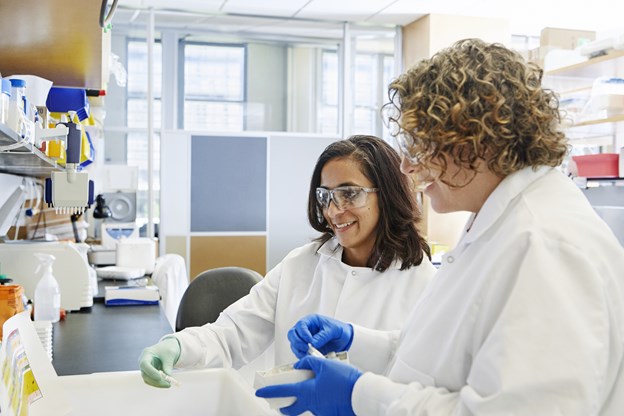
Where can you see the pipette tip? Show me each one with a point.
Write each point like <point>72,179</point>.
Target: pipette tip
<point>170,379</point>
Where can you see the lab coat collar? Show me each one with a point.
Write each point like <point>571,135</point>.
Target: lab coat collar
<point>333,250</point>
<point>498,201</point>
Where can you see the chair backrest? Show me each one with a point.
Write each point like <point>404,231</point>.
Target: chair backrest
<point>211,292</point>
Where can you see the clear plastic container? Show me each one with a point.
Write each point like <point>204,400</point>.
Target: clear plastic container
<point>18,88</point>
<point>16,104</point>
<point>5,97</point>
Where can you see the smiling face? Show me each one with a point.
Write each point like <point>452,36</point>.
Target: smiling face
<point>355,228</point>
<point>455,189</point>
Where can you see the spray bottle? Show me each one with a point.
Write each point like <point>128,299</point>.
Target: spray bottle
<point>47,292</point>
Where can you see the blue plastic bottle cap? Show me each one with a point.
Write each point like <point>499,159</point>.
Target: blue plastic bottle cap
<point>18,83</point>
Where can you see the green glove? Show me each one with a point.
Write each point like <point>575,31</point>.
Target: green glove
<point>157,358</point>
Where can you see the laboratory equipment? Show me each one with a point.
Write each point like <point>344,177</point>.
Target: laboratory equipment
<point>10,208</point>
<point>16,104</point>
<point>70,268</point>
<point>112,232</point>
<point>603,165</point>
<point>5,97</point>
<point>101,210</point>
<point>139,253</point>
<point>37,88</point>
<point>314,352</point>
<point>170,379</point>
<point>131,295</point>
<point>122,205</point>
<point>11,302</point>
<point>119,273</point>
<point>70,192</point>
<point>286,374</point>
<point>47,292</point>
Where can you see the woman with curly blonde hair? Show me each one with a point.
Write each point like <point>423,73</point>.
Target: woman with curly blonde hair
<point>526,314</point>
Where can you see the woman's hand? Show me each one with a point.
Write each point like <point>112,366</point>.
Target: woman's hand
<point>324,333</point>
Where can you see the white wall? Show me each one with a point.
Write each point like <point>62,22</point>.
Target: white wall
<point>290,164</point>
<point>448,29</point>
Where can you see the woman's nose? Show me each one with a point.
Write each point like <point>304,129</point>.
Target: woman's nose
<point>332,209</point>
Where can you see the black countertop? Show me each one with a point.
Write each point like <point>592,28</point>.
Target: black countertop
<point>106,338</point>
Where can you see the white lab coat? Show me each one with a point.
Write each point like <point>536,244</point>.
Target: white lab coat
<point>170,277</point>
<point>304,282</point>
<point>525,316</point>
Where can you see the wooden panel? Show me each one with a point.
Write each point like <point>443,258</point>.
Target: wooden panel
<point>58,40</point>
<point>416,39</point>
<point>221,251</point>
<point>427,35</point>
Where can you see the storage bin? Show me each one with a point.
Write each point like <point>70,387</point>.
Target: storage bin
<point>604,165</point>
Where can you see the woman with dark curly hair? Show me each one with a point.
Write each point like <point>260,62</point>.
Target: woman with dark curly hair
<point>526,314</point>
<point>368,267</point>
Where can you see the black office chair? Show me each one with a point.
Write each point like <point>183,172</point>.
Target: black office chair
<point>211,292</point>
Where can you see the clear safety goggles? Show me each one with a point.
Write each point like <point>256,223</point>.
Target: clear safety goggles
<point>404,143</point>
<point>344,197</point>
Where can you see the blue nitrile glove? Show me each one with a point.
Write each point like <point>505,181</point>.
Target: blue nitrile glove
<point>327,393</point>
<point>159,357</point>
<point>324,333</point>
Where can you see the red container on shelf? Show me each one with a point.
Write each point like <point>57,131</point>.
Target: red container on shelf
<point>603,165</point>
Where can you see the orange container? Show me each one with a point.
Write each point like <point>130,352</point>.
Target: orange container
<point>604,165</point>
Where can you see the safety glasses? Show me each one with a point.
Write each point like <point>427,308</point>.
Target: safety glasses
<point>404,143</point>
<point>344,197</point>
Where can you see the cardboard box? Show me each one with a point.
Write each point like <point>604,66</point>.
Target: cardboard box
<point>565,38</point>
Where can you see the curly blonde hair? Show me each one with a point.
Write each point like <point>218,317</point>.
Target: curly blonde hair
<point>477,101</point>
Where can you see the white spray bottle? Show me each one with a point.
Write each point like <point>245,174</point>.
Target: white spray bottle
<point>47,292</point>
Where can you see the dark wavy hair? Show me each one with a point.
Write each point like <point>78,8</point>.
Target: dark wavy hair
<point>477,101</point>
<point>397,235</point>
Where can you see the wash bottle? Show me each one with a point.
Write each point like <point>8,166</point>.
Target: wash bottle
<point>47,292</point>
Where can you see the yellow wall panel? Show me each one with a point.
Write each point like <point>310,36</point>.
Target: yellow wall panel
<point>222,251</point>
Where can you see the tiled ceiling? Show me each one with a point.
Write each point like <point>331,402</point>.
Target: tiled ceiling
<point>526,16</point>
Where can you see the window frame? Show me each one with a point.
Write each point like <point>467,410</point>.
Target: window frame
<point>181,98</point>
<point>378,58</point>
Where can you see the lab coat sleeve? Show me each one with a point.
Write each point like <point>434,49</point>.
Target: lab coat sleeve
<point>541,348</point>
<point>240,334</point>
<point>371,349</point>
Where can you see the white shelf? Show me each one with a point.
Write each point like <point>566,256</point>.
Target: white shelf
<point>578,79</point>
<point>611,64</point>
<point>614,119</point>
<point>25,160</point>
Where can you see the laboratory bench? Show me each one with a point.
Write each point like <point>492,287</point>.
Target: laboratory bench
<point>106,338</point>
